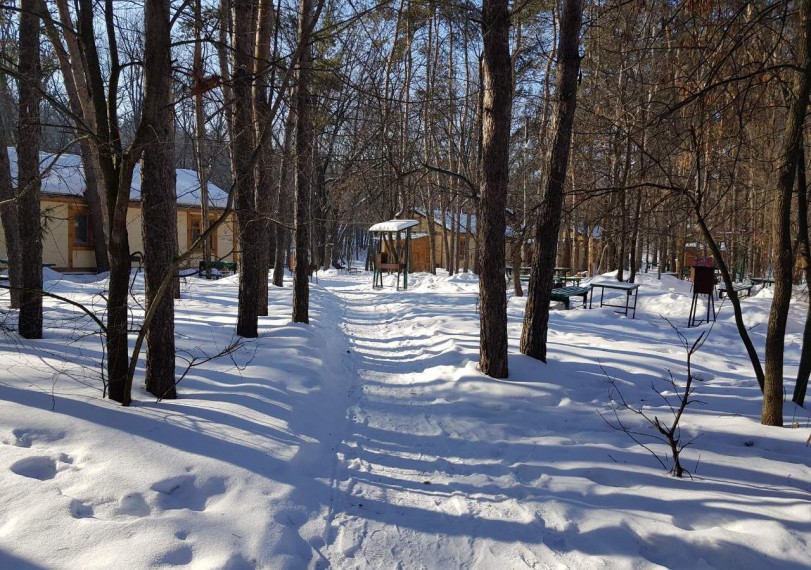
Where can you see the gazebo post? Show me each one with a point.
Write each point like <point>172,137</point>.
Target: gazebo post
<point>407,258</point>
<point>374,258</point>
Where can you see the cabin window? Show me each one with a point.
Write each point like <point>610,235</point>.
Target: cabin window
<point>82,229</point>
<point>196,229</point>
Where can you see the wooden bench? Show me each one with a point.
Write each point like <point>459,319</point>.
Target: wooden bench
<point>765,281</point>
<point>565,294</point>
<point>737,287</point>
<point>224,267</point>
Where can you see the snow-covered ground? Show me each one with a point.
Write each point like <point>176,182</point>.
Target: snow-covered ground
<point>368,439</point>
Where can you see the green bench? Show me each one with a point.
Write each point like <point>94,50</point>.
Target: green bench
<point>565,294</point>
<point>737,287</point>
<point>225,267</point>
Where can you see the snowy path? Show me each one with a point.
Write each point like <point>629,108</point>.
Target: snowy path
<point>419,484</point>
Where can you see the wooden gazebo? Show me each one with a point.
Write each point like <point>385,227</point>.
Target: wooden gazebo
<point>391,245</point>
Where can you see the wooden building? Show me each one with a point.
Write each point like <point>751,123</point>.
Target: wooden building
<point>68,240</point>
<point>443,225</point>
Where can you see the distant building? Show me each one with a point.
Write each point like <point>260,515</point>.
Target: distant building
<point>68,239</point>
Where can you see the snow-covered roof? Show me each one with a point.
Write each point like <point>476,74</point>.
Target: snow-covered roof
<point>393,226</point>
<point>447,221</point>
<point>63,175</point>
<point>187,189</point>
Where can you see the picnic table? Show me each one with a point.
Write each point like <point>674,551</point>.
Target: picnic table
<point>565,294</point>
<point>522,271</point>
<point>557,280</point>
<point>765,281</point>
<point>737,287</point>
<point>574,280</point>
<point>630,290</point>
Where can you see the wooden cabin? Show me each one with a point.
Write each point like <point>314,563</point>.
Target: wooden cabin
<point>68,240</point>
<point>420,251</point>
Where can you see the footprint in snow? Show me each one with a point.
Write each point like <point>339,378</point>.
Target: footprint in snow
<point>178,557</point>
<point>80,509</point>
<point>187,492</point>
<point>41,468</point>
<point>239,562</point>
<point>291,517</point>
<point>133,505</point>
<point>28,437</point>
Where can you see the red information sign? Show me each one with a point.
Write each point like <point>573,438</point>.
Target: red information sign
<point>704,261</point>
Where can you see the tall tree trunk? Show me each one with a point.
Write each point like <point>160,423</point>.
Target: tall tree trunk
<point>497,111</point>
<point>536,315</point>
<point>78,99</point>
<point>29,178</point>
<point>445,217</point>
<point>426,146</point>
<point>264,181</point>
<point>772,414</point>
<point>11,223</point>
<point>159,202</point>
<point>282,200</point>
<point>468,241</point>
<point>804,369</point>
<point>318,207</point>
<point>201,149</point>
<point>304,167</point>
<point>635,236</point>
<point>117,191</point>
<point>244,173</point>
<point>116,168</point>
<point>264,207</point>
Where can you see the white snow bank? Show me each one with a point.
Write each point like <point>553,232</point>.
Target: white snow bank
<point>369,439</point>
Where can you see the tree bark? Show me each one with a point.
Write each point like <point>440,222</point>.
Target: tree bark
<point>11,224</point>
<point>497,111</point>
<point>264,183</point>
<point>772,414</point>
<point>536,315</point>
<point>244,174</point>
<point>201,151</point>
<point>116,168</point>
<point>84,122</point>
<point>28,173</point>
<point>804,369</point>
<point>282,232</point>
<point>159,202</point>
<point>264,208</point>
<point>304,167</point>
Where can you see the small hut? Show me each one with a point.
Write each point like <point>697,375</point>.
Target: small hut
<point>391,244</point>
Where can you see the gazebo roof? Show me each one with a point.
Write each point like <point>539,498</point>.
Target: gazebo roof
<point>393,226</point>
